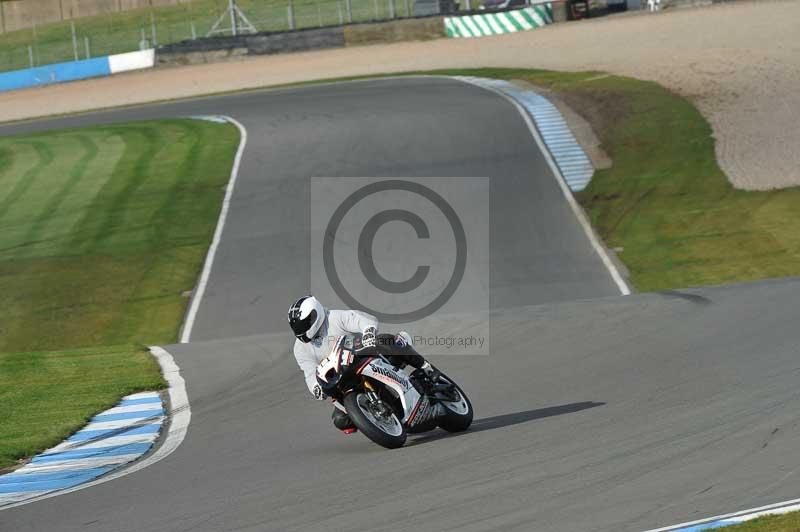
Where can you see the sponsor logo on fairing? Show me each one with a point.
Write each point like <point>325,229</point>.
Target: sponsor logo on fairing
<point>391,375</point>
<point>423,412</point>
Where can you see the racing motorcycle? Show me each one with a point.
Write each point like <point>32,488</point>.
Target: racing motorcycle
<point>386,402</point>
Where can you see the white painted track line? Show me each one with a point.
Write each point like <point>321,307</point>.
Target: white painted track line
<point>105,442</point>
<point>197,297</point>
<point>738,517</point>
<point>132,408</point>
<point>123,423</point>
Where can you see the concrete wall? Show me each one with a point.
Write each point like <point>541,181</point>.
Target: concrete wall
<point>74,70</point>
<point>25,13</point>
<point>127,5</point>
<point>87,8</point>
<point>21,14</point>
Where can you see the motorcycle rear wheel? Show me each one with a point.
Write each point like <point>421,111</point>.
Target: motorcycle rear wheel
<point>388,433</point>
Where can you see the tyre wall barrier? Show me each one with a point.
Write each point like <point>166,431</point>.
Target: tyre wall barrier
<point>210,48</point>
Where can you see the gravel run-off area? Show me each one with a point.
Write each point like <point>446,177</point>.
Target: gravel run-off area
<point>738,62</point>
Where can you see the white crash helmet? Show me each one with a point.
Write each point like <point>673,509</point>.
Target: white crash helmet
<point>306,317</point>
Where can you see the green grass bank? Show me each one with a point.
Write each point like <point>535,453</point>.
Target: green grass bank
<point>46,396</point>
<point>104,230</point>
<point>771,523</point>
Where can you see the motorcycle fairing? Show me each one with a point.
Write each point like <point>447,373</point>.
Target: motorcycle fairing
<point>380,370</point>
<point>333,362</point>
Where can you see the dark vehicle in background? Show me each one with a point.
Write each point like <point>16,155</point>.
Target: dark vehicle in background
<point>577,9</point>
<point>424,8</point>
<point>496,5</point>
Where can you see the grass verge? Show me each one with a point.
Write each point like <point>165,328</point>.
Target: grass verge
<point>789,522</point>
<point>104,229</point>
<point>46,396</point>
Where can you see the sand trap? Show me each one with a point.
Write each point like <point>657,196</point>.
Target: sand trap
<point>739,63</point>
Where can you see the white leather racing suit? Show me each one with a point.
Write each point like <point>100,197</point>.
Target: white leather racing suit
<point>338,323</point>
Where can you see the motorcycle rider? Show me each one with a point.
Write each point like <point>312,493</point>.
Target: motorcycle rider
<point>316,328</point>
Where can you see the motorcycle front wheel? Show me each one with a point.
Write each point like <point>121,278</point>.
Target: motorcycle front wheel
<point>385,430</point>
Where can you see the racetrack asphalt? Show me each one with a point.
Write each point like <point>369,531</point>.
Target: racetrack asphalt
<point>593,411</point>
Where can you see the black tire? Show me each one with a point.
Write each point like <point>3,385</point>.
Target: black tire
<point>366,426</point>
<point>453,421</point>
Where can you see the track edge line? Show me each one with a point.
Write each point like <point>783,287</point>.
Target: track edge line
<point>616,276</point>
<point>200,289</point>
<point>792,505</point>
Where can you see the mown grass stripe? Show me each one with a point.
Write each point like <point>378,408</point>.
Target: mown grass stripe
<point>106,215</point>
<point>26,181</point>
<point>190,144</point>
<point>76,173</point>
<point>120,207</point>
<point>6,159</point>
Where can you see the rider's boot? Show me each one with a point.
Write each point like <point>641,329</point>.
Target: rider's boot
<point>425,378</point>
<point>342,421</point>
<point>432,373</point>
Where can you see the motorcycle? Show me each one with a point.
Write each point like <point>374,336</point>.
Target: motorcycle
<point>385,402</point>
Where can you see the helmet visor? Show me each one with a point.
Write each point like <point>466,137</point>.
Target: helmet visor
<point>300,327</point>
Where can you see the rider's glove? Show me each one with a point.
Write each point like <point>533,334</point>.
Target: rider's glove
<point>369,338</point>
<point>319,395</point>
